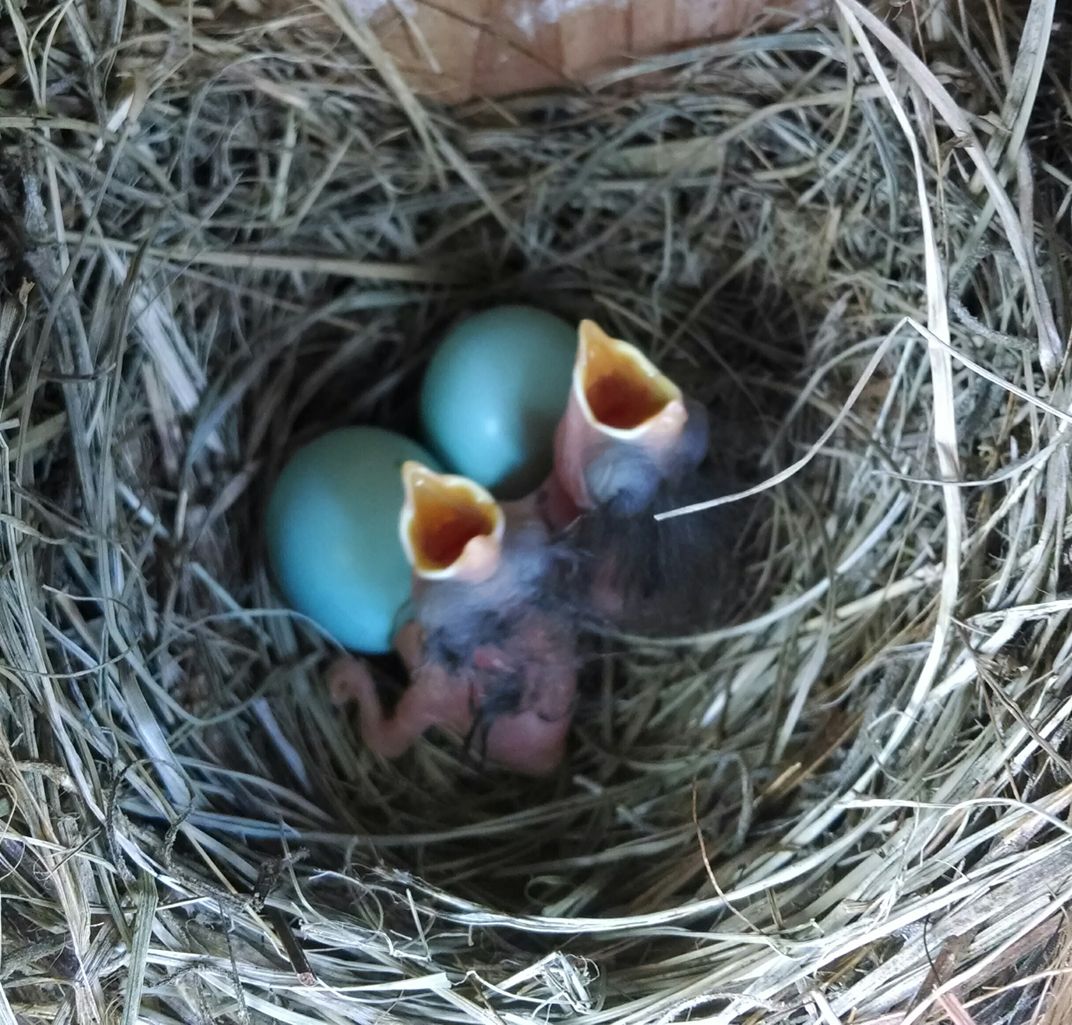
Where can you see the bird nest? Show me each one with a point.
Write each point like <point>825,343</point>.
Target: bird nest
<point>849,804</point>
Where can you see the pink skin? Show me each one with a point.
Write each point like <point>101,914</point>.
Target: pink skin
<point>539,654</point>
<point>565,495</point>
<point>580,436</point>
<point>531,742</point>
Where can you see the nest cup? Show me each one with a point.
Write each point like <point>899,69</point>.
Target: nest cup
<point>849,804</point>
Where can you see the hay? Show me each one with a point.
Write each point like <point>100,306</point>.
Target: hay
<point>849,805</point>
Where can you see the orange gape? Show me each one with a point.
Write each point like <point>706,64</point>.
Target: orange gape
<point>620,394</point>
<point>445,520</point>
<point>485,660</point>
<point>454,50</point>
<point>617,397</point>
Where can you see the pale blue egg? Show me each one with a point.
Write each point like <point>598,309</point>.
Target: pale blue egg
<point>332,532</point>
<point>494,393</point>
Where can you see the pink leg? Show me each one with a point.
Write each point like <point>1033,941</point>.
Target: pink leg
<point>531,742</point>
<point>432,698</point>
<point>349,680</point>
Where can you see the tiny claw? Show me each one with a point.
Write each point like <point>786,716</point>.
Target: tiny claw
<point>350,681</point>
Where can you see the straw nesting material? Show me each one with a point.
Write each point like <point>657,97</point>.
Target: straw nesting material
<point>222,236</point>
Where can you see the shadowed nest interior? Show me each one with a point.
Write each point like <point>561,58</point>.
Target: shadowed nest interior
<point>223,236</point>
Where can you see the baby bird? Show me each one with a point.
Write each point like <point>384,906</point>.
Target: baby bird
<point>490,657</point>
<point>630,445</point>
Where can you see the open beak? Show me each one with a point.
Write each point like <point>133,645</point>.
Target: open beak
<point>617,396</point>
<point>450,527</point>
<point>621,393</point>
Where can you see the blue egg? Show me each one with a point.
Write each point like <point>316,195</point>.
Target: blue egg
<point>494,393</point>
<point>332,531</point>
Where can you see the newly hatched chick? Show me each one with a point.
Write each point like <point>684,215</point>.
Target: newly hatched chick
<point>630,445</point>
<point>490,656</point>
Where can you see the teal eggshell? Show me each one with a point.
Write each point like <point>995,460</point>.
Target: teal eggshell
<point>493,395</point>
<point>332,532</point>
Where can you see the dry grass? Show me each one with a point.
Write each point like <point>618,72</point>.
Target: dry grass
<point>850,806</point>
